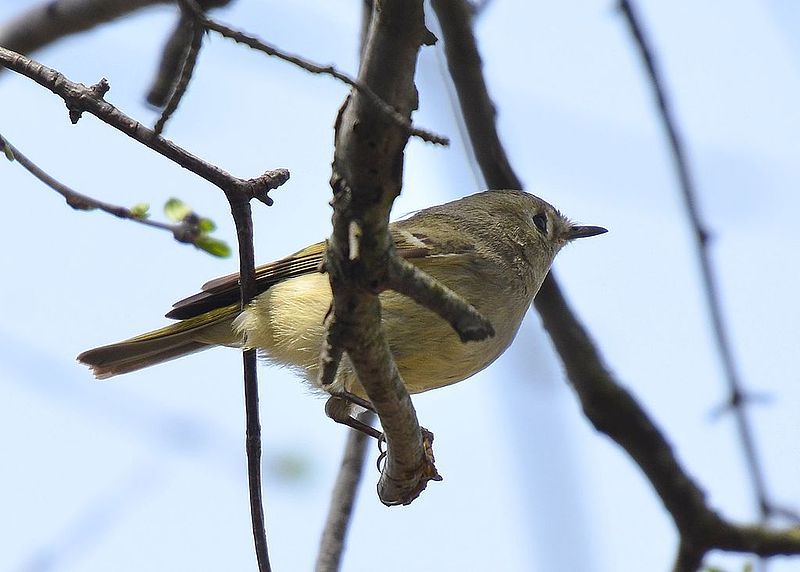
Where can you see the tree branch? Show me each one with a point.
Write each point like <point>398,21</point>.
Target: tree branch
<point>340,511</point>
<point>239,192</point>
<point>357,84</point>
<point>53,20</point>
<point>609,407</point>
<point>80,99</point>
<point>737,397</point>
<point>462,316</point>
<point>343,499</point>
<point>188,230</point>
<point>367,173</point>
<point>172,64</point>
<point>56,19</point>
<point>188,25</point>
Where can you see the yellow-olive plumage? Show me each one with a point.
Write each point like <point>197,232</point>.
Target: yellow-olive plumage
<point>493,248</point>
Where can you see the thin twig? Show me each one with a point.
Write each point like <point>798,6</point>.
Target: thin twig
<point>737,397</point>
<point>186,231</point>
<point>259,45</point>
<point>343,498</point>
<point>189,61</point>
<point>253,450</point>
<point>80,99</point>
<point>171,63</point>
<point>242,218</point>
<point>609,407</point>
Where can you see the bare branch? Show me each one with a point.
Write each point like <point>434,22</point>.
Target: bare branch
<point>462,316</point>
<point>56,19</point>
<point>343,499</point>
<point>340,511</point>
<point>188,62</point>
<point>689,559</point>
<point>80,99</point>
<point>170,65</point>
<point>253,449</point>
<point>610,408</point>
<point>239,192</point>
<point>242,218</point>
<point>465,66</point>
<point>374,98</point>
<point>53,20</point>
<point>736,394</point>
<point>188,230</point>
<point>366,180</point>
<point>173,56</point>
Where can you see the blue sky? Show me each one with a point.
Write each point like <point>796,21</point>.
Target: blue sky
<point>147,471</point>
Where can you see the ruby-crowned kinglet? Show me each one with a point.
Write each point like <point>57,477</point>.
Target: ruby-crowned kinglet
<point>493,248</point>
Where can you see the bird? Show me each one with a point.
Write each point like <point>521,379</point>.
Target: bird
<point>493,248</point>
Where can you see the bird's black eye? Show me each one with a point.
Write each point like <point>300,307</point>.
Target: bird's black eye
<point>540,220</point>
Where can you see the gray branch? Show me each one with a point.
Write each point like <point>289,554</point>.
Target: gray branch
<point>367,178</point>
<point>343,499</point>
<point>608,406</point>
<point>239,192</point>
<point>51,21</point>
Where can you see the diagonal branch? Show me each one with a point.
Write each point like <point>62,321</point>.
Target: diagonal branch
<point>462,316</point>
<point>239,192</point>
<point>187,231</point>
<point>53,20</point>
<point>171,66</point>
<point>366,179</point>
<point>188,61</point>
<point>80,99</point>
<point>737,398</point>
<point>252,42</point>
<point>609,406</point>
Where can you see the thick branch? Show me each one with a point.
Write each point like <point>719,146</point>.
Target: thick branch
<point>367,178</point>
<point>609,407</point>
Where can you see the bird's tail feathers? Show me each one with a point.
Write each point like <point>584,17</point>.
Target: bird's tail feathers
<point>170,342</point>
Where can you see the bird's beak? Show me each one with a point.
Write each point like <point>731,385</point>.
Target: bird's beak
<point>585,231</point>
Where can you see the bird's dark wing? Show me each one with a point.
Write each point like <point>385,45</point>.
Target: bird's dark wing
<point>224,291</point>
